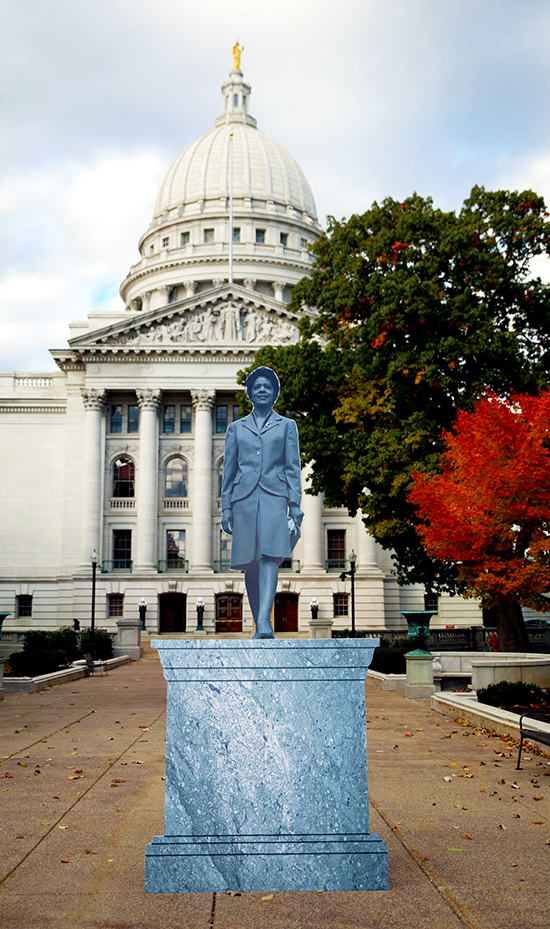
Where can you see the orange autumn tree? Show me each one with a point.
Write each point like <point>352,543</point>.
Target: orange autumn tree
<point>488,510</point>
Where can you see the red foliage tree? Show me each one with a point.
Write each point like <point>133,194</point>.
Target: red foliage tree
<point>488,511</point>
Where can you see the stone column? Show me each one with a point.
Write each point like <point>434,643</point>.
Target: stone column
<point>312,529</point>
<point>203,402</point>
<point>147,484</point>
<point>94,404</point>
<point>365,544</point>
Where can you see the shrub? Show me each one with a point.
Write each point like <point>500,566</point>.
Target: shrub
<point>44,652</point>
<point>390,659</point>
<point>510,694</point>
<point>100,647</point>
<point>347,634</point>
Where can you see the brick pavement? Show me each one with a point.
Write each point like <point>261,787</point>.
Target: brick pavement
<point>81,793</point>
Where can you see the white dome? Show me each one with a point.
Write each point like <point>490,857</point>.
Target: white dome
<point>262,170</point>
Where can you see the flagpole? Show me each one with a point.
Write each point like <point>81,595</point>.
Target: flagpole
<point>230,207</point>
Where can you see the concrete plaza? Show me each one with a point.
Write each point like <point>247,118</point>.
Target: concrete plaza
<point>82,790</point>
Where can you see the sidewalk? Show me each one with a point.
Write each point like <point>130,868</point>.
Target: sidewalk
<point>82,790</point>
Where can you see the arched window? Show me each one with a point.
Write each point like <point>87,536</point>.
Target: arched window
<point>235,99</point>
<point>123,478</point>
<point>176,478</point>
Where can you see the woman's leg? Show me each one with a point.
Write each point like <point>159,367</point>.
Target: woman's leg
<point>268,574</point>
<point>251,580</point>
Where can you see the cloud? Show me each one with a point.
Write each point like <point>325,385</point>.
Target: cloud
<point>69,235</point>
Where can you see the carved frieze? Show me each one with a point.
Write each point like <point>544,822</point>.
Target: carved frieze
<point>224,322</point>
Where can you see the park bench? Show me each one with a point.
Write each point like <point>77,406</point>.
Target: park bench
<point>92,665</point>
<point>526,730</point>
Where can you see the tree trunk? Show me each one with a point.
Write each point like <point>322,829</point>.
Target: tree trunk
<point>508,618</point>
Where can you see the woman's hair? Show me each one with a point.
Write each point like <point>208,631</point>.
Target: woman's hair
<point>268,373</point>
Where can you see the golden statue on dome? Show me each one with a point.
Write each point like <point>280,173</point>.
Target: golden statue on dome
<point>237,56</point>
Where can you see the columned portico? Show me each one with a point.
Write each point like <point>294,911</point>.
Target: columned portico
<point>312,529</point>
<point>94,405</point>
<point>147,485</point>
<point>366,547</point>
<point>203,402</point>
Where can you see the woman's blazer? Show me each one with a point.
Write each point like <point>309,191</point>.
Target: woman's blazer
<point>269,457</point>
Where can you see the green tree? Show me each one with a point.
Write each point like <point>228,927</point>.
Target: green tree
<point>408,314</point>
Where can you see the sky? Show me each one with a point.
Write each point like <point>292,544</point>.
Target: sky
<point>373,99</point>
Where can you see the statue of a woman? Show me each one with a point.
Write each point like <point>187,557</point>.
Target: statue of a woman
<point>261,493</point>
<point>237,56</point>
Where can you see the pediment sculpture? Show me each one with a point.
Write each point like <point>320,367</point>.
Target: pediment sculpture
<point>223,322</point>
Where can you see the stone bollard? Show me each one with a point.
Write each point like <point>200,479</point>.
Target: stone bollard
<point>420,675</point>
<point>128,639</point>
<point>320,628</point>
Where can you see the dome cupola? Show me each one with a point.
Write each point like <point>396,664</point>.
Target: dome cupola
<point>235,168</point>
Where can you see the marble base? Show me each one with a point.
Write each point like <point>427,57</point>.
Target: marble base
<point>420,676</point>
<point>266,768</point>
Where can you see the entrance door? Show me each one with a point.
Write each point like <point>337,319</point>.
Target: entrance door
<point>229,613</point>
<point>172,612</point>
<point>286,612</point>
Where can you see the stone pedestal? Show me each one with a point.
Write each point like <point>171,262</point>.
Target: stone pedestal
<point>266,769</point>
<point>320,628</point>
<point>128,639</point>
<point>420,676</point>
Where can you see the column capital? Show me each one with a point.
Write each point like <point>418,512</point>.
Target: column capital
<point>94,399</point>
<point>148,399</point>
<point>203,399</point>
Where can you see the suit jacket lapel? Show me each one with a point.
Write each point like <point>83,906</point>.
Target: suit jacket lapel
<point>250,423</point>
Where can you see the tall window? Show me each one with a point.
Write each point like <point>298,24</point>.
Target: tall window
<point>221,419</point>
<point>236,235</point>
<point>284,238</point>
<point>116,418</point>
<point>340,605</point>
<point>133,418</point>
<point>115,604</point>
<point>225,549</point>
<point>24,605</point>
<point>123,478</point>
<point>185,420</point>
<point>176,478</point>
<point>236,413</point>
<point>175,545</point>
<point>235,99</point>
<point>184,238</point>
<point>431,602</point>
<point>220,476</point>
<point>336,549</point>
<point>122,548</point>
<point>303,243</point>
<point>169,419</point>
<point>208,236</point>
<point>260,236</point>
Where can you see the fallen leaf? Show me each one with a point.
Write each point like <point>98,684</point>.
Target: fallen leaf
<point>538,798</point>
<point>448,779</point>
<point>538,822</point>
<point>502,827</point>
<point>233,893</point>
<point>65,861</point>
<point>451,849</point>
<point>62,827</point>
<point>453,764</point>
<point>468,836</point>
<point>268,897</point>
<point>515,786</point>
<point>89,851</point>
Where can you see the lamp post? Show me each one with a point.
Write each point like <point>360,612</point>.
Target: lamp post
<point>352,558</point>
<point>200,614</point>
<point>93,559</point>
<point>142,606</point>
<point>314,607</point>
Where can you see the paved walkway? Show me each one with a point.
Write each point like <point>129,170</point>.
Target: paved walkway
<point>81,793</point>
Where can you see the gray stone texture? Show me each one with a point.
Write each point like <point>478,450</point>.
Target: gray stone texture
<point>266,784</point>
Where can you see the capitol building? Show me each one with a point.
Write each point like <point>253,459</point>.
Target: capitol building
<point>118,456</point>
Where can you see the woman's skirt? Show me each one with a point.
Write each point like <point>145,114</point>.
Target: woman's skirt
<point>260,529</point>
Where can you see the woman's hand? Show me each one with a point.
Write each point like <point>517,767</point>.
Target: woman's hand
<point>227,521</point>
<point>296,514</point>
